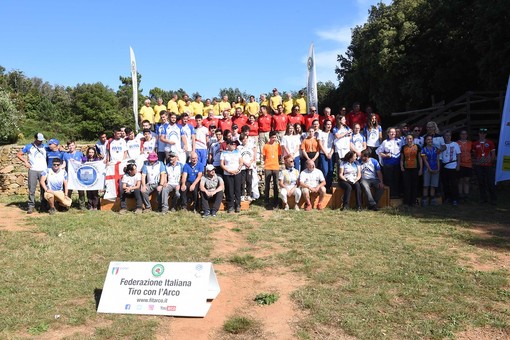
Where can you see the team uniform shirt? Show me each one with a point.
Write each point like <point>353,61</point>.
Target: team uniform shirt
<point>76,155</point>
<point>264,123</point>
<point>116,149</point>
<point>293,144</point>
<point>173,134</point>
<point>240,121</point>
<point>216,151</point>
<point>309,120</point>
<point>36,156</point>
<point>133,147</point>
<point>279,122</point>
<point>192,171</point>
<point>437,141</point>
<point>287,106</point>
<point>465,153</point>
<point>272,153</point>
<point>411,154</point>
<point>162,132</point>
<point>301,102</point>
<point>225,124</point>
<point>369,169</point>
<point>55,180</point>
<point>188,131</point>
<point>147,113</point>
<point>392,147</point>
<point>174,173</point>
<point>157,110</point>
<point>198,108</point>
<point>450,156</point>
<point>180,105</point>
<point>295,119</point>
<point>311,178</point>
<point>275,101</point>
<point>210,121</point>
<point>289,177</point>
<point>131,180</point>
<point>230,160</point>
<point>343,144</point>
<point>153,172</point>
<point>350,170</point>
<point>149,146</point>
<point>356,118</point>
<point>322,119</point>
<point>357,140</point>
<point>140,135</point>
<point>430,153</point>
<point>419,141</point>
<point>101,148</point>
<point>172,106</point>
<point>201,134</point>
<point>224,106</point>
<point>51,155</point>
<point>327,139</point>
<point>482,152</point>
<point>254,129</point>
<point>372,136</point>
<point>253,108</point>
<point>247,154</point>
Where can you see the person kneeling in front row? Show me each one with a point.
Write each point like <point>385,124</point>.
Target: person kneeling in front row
<point>54,183</point>
<point>211,188</point>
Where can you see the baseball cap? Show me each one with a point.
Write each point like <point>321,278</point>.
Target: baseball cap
<point>39,136</point>
<point>54,141</point>
<point>152,156</point>
<point>209,167</point>
<point>172,154</point>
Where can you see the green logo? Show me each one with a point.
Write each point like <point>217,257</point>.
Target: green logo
<point>158,270</point>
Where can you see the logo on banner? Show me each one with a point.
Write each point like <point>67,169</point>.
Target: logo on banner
<point>158,270</point>
<point>87,175</point>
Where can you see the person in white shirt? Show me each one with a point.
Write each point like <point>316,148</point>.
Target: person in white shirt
<point>371,176</point>
<point>232,162</point>
<point>117,148</point>
<point>54,183</point>
<point>249,155</point>
<point>358,141</point>
<point>311,180</point>
<point>153,180</point>
<point>130,187</point>
<point>288,180</point>
<point>450,162</point>
<point>201,140</point>
<point>326,152</point>
<point>349,174</point>
<point>173,183</point>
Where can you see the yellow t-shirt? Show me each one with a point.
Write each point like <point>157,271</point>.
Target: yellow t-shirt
<point>147,113</point>
<point>287,106</point>
<point>252,109</point>
<point>206,110</point>
<point>216,109</point>
<point>275,101</point>
<point>188,110</point>
<point>266,103</point>
<point>301,102</point>
<point>157,110</point>
<point>181,104</point>
<point>198,108</point>
<point>224,106</point>
<point>172,107</point>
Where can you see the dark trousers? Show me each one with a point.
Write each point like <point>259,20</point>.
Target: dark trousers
<point>246,182</point>
<point>410,186</point>
<point>450,182</point>
<point>185,192</point>
<point>233,190</point>
<point>81,197</point>
<point>136,194</point>
<point>93,199</point>
<point>347,187</point>
<point>268,176</point>
<point>391,176</point>
<point>216,199</point>
<point>486,176</point>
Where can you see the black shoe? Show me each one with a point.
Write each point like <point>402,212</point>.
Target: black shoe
<point>358,209</point>
<point>30,210</point>
<point>373,208</point>
<point>213,213</point>
<point>230,210</point>
<point>238,209</point>
<point>206,214</point>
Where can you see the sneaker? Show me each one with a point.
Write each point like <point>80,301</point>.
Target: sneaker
<point>164,211</point>
<point>424,202</point>
<point>243,198</point>
<point>238,209</point>
<point>206,215</point>
<point>30,210</point>
<point>230,210</point>
<point>147,210</point>
<point>455,203</point>
<point>373,208</point>
<point>122,211</point>
<point>213,213</point>
<point>138,211</point>
<point>286,207</point>
<point>296,207</point>
<point>319,206</point>
<point>308,207</point>
<point>52,211</point>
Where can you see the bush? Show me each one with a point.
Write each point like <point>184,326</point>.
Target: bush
<point>9,118</point>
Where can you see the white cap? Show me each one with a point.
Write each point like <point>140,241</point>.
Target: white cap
<point>209,167</point>
<point>39,137</point>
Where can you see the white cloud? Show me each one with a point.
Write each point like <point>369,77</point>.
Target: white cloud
<point>341,35</point>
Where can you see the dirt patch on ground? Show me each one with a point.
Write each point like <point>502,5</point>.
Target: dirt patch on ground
<point>13,218</point>
<point>485,333</point>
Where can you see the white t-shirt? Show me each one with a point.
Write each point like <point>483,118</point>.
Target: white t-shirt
<point>231,160</point>
<point>36,156</point>
<point>55,180</point>
<point>450,156</point>
<point>173,134</point>
<point>153,172</point>
<point>174,173</point>
<point>289,177</point>
<point>343,144</point>
<point>117,149</point>
<point>149,146</point>
<point>372,136</point>
<point>131,180</point>
<point>358,140</point>
<point>247,155</point>
<point>188,131</point>
<point>215,151</point>
<point>293,143</point>
<point>327,139</point>
<point>201,134</point>
<point>311,178</point>
<point>133,146</point>
<point>350,171</point>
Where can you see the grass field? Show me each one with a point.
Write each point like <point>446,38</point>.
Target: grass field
<point>426,273</point>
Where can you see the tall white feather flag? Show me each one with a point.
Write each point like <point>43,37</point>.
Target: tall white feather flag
<point>503,159</point>
<point>134,80</point>
<point>311,89</point>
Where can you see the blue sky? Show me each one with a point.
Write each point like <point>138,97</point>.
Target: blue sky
<point>195,45</point>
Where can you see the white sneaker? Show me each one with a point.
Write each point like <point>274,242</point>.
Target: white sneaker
<point>286,207</point>
<point>243,198</point>
<point>296,207</point>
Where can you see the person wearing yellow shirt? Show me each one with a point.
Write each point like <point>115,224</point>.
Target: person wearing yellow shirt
<point>172,104</point>
<point>146,112</point>
<point>275,100</point>
<point>182,102</point>
<point>301,102</point>
<point>208,106</point>
<point>288,104</point>
<point>187,108</point>
<point>240,102</point>
<point>224,104</point>
<point>264,101</point>
<point>216,106</point>
<point>252,108</point>
<point>157,109</point>
<point>198,106</point>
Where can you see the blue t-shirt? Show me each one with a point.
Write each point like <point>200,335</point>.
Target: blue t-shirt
<point>51,155</point>
<point>192,171</point>
<point>77,156</point>
<point>432,157</point>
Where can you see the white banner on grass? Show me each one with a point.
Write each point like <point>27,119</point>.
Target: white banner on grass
<point>311,89</point>
<point>86,176</point>
<point>503,160</point>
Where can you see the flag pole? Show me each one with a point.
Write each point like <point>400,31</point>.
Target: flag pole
<point>134,81</point>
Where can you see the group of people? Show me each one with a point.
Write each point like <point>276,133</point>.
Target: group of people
<point>198,158</point>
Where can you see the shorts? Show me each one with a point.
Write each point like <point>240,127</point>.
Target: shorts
<point>465,172</point>
<point>430,180</point>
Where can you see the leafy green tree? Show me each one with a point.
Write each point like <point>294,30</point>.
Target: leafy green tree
<point>233,93</point>
<point>9,119</point>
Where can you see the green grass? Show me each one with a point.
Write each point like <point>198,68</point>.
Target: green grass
<point>372,275</point>
<point>266,298</point>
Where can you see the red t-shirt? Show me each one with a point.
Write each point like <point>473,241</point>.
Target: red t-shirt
<point>225,124</point>
<point>356,118</point>
<point>331,118</point>
<point>206,122</point>
<point>240,121</point>
<point>295,119</point>
<point>264,123</point>
<point>309,120</point>
<point>279,122</point>
<point>483,152</point>
<point>254,129</point>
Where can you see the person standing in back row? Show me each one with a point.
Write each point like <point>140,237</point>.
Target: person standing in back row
<point>485,155</point>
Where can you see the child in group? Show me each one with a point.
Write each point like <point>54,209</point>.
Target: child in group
<point>430,156</point>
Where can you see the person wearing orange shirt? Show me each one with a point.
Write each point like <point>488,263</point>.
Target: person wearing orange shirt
<point>288,103</point>
<point>310,117</point>
<point>466,165</point>
<point>485,154</point>
<point>411,165</point>
<point>310,148</point>
<point>271,153</point>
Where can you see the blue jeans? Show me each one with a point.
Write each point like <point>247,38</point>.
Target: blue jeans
<point>327,169</point>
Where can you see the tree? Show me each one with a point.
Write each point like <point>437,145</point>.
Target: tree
<point>9,119</point>
<point>233,93</point>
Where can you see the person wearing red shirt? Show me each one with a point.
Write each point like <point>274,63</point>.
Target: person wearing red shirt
<point>279,122</point>
<point>356,116</point>
<point>327,116</point>
<point>264,121</point>
<point>310,117</point>
<point>483,164</point>
<point>253,133</point>
<point>226,122</point>
<point>295,117</point>
<point>240,118</point>
<point>210,120</point>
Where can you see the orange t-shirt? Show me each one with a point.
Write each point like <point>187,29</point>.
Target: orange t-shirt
<point>272,153</point>
<point>310,145</point>
<point>465,154</point>
<point>410,154</point>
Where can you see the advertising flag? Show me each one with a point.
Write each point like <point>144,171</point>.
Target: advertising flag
<point>311,88</point>
<point>86,176</point>
<point>503,159</point>
<point>134,80</point>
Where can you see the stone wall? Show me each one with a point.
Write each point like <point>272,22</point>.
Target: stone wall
<point>13,174</point>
